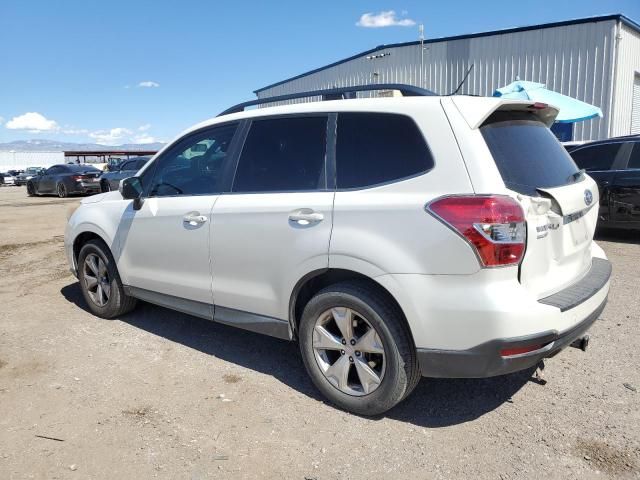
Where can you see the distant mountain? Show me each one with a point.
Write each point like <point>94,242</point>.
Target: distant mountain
<point>56,146</point>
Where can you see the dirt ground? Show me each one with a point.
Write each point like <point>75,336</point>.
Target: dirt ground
<point>161,394</point>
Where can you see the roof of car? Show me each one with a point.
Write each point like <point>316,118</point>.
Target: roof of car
<point>622,139</point>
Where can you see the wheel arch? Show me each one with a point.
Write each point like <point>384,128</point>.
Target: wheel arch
<point>82,238</point>
<point>314,281</point>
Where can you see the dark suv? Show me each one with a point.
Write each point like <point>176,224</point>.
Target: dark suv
<point>615,165</point>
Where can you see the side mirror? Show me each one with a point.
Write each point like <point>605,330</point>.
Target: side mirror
<point>131,189</point>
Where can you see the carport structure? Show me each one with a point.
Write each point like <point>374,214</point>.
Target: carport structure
<point>103,156</point>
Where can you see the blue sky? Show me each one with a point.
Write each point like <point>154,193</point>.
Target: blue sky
<point>135,71</point>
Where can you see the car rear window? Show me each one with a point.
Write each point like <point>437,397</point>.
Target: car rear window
<point>526,153</point>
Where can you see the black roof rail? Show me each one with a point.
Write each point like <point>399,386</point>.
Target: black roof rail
<point>334,94</point>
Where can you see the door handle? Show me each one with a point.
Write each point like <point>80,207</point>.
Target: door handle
<point>305,216</point>
<point>194,218</point>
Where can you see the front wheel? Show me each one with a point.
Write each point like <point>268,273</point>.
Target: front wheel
<point>105,186</point>
<point>31,189</point>
<point>100,282</point>
<point>357,349</point>
<point>61,190</point>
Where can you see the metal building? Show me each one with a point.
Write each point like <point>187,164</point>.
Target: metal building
<point>594,59</point>
<point>17,160</point>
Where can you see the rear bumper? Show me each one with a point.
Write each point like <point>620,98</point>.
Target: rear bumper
<point>583,301</point>
<point>86,188</point>
<point>486,360</point>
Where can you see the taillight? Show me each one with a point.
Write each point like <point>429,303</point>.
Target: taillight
<point>77,178</point>
<point>493,224</point>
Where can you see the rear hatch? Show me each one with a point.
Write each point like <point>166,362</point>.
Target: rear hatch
<point>559,200</point>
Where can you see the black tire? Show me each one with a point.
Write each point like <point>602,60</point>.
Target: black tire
<point>31,189</point>
<point>118,302</point>
<point>61,190</point>
<point>105,186</point>
<point>401,373</point>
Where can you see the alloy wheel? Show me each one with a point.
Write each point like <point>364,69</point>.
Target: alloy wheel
<point>96,279</point>
<point>348,351</point>
<point>62,190</point>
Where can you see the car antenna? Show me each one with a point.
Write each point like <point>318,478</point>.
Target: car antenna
<point>462,82</point>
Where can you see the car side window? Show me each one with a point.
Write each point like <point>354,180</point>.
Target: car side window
<point>376,148</point>
<point>53,170</point>
<point>195,165</point>
<point>634,159</point>
<point>283,155</point>
<point>596,157</point>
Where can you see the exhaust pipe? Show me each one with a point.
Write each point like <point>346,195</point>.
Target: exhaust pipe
<point>582,343</point>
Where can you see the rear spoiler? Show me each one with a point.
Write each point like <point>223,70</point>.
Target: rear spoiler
<point>475,110</point>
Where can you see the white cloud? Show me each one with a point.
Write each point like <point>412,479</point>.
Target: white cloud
<point>149,84</point>
<point>120,135</point>
<point>34,122</point>
<point>385,18</point>
<point>115,136</point>
<point>144,139</point>
<point>74,131</point>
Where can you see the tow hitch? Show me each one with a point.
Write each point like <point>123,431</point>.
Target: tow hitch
<point>582,343</point>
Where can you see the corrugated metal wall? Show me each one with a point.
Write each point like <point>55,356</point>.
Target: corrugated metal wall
<point>628,64</point>
<point>22,160</point>
<point>575,60</point>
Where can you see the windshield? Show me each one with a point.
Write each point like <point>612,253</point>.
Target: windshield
<point>527,154</point>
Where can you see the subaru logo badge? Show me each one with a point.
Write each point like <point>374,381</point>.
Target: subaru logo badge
<point>588,197</point>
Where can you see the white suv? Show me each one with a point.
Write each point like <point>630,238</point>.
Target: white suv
<point>393,238</point>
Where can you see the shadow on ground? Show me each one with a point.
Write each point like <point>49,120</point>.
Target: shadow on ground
<point>434,403</point>
<point>618,236</point>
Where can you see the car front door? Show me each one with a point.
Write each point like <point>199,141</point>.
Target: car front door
<point>163,248</point>
<point>625,191</point>
<point>601,162</point>
<point>275,225</point>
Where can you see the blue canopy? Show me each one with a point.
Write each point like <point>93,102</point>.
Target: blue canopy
<point>571,110</point>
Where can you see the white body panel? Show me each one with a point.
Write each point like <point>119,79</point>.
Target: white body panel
<point>158,251</point>
<point>259,254</point>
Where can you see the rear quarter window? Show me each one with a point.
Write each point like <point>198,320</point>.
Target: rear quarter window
<point>377,148</point>
<point>526,153</point>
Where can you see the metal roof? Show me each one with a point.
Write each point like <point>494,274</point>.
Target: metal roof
<point>602,18</point>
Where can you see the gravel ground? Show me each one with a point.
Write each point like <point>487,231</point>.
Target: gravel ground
<point>161,394</point>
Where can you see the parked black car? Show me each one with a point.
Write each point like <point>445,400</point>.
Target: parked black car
<point>27,175</point>
<point>111,180</point>
<point>615,165</point>
<point>64,180</point>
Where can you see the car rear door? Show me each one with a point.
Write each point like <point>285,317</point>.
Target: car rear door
<point>164,247</point>
<point>625,190</point>
<point>275,225</point>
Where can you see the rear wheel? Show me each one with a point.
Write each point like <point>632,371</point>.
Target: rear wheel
<point>31,189</point>
<point>357,349</point>
<point>61,190</point>
<point>100,282</point>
